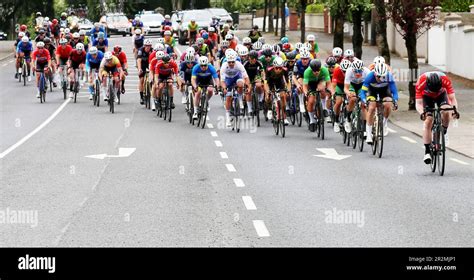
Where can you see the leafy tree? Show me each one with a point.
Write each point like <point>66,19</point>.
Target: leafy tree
<point>357,9</point>
<point>339,10</point>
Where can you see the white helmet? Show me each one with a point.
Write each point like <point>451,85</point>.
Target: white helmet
<point>159,54</point>
<point>304,53</point>
<point>229,36</point>
<point>225,44</point>
<point>261,40</point>
<point>337,51</point>
<point>278,62</point>
<point>189,57</point>
<point>228,51</point>
<point>345,64</point>
<point>276,48</point>
<point>82,32</point>
<point>148,42</point>
<point>239,46</point>
<point>257,45</point>
<point>137,18</point>
<point>80,46</point>
<point>349,52</point>
<point>108,55</point>
<point>203,60</point>
<point>190,50</point>
<point>167,32</point>
<point>161,40</point>
<point>75,35</point>
<point>246,40</point>
<point>93,50</point>
<point>231,56</point>
<point>266,46</point>
<point>62,41</point>
<point>40,45</point>
<point>310,37</point>
<point>167,17</point>
<point>298,46</point>
<point>46,19</point>
<point>381,69</point>
<point>21,34</point>
<point>379,59</point>
<point>138,31</point>
<point>211,29</point>
<point>243,51</point>
<point>357,64</point>
<point>200,41</point>
<point>25,39</point>
<point>67,30</point>
<point>308,46</point>
<point>159,47</point>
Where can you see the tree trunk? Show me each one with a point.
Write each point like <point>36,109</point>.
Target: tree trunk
<point>277,5</point>
<point>283,19</point>
<point>410,43</point>
<point>357,38</point>
<point>303,20</point>
<point>381,30</point>
<point>338,40</point>
<point>270,16</point>
<point>265,16</point>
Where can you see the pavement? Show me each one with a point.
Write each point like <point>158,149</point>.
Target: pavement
<point>461,133</point>
<point>176,185</point>
<point>6,49</point>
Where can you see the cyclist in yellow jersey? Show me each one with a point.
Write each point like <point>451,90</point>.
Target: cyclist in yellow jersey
<point>192,31</point>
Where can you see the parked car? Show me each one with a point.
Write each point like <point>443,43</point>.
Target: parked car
<point>222,14</point>
<point>117,24</point>
<point>152,22</point>
<point>3,36</point>
<point>86,25</point>
<point>181,19</point>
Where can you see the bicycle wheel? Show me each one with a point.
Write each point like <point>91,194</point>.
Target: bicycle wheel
<point>281,121</point>
<point>64,86</point>
<point>43,96</point>
<point>24,73</point>
<point>147,95</point>
<point>292,107</point>
<point>256,109</point>
<point>111,98</point>
<point>204,104</point>
<point>97,93</point>
<point>321,119</point>
<point>380,136</point>
<point>169,108</point>
<point>191,107</point>
<point>50,78</point>
<point>374,135</point>
<point>441,155</point>
<point>237,115</point>
<point>76,90</point>
<point>118,95</point>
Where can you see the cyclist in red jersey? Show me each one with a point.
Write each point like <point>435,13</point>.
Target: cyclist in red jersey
<point>77,60</point>
<point>41,61</point>
<point>62,53</point>
<point>123,60</point>
<point>165,71</point>
<point>434,88</point>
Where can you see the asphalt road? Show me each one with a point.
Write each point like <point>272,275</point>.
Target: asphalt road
<point>184,186</point>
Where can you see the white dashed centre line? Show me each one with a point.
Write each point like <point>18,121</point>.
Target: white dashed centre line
<point>408,139</point>
<point>230,167</point>
<point>213,134</point>
<point>261,229</point>
<point>239,183</point>
<point>224,155</point>
<point>5,64</point>
<point>391,130</point>
<point>209,125</point>
<point>249,203</point>
<point>218,143</point>
<point>459,161</point>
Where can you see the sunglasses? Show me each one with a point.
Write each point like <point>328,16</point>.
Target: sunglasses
<point>291,61</point>
<point>305,58</point>
<point>380,77</point>
<point>278,68</point>
<point>268,56</point>
<point>203,66</point>
<point>231,62</point>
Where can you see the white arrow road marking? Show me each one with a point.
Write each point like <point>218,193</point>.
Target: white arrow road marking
<point>331,154</point>
<point>123,152</point>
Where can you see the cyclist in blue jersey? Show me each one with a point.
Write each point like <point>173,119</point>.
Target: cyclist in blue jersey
<point>93,59</point>
<point>185,72</point>
<point>94,32</point>
<point>24,49</point>
<point>204,74</point>
<point>101,42</point>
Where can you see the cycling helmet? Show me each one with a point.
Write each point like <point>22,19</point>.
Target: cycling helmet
<point>315,65</point>
<point>298,46</point>
<point>246,40</point>
<point>379,59</point>
<point>225,44</point>
<point>266,46</point>
<point>357,64</point>
<point>167,33</point>
<point>310,38</point>
<point>286,47</point>
<point>47,40</point>
<point>331,61</point>
<point>284,40</point>
<point>253,54</point>
<point>23,27</point>
<point>345,64</point>
<point>190,50</point>
<point>67,30</point>
<point>278,62</point>
<point>117,49</point>
<point>161,40</point>
<point>205,36</point>
<point>291,56</point>
<point>243,51</point>
<point>196,47</point>
<point>433,82</point>
<point>63,14</point>
<point>38,14</point>
<point>160,47</point>
<point>189,57</point>
<point>41,31</point>
<point>261,40</point>
<point>276,48</point>
<point>21,34</point>
<point>228,51</point>
<point>381,69</point>
<point>308,46</point>
<point>167,17</point>
<point>148,42</point>
<point>304,53</point>
<point>231,57</point>
<point>166,58</point>
<point>267,52</point>
<point>25,39</point>
<point>200,41</point>
<point>159,55</point>
<point>108,55</point>
<point>349,52</point>
<point>55,21</point>
<point>75,35</point>
<point>138,31</point>
<point>212,29</point>
<point>93,50</point>
<point>82,32</point>
<point>80,47</point>
<point>101,35</point>
<point>337,51</point>
<point>68,36</point>
<point>257,46</point>
<point>40,45</point>
<point>203,60</point>
<point>62,41</point>
<point>229,36</point>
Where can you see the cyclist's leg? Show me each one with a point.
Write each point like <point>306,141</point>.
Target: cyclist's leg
<point>169,84</point>
<point>105,74</point>
<point>339,94</point>
<point>91,81</point>
<point>300,96</point>
<point>371,99</point>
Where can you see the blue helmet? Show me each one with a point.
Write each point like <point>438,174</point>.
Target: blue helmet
<point>284,40</point>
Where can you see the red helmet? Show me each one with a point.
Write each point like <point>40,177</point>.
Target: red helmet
<point>23,27</point>
<point>55,21</point>
<point>167,28</point>
<point>117,49</point>
<point>286,46</point>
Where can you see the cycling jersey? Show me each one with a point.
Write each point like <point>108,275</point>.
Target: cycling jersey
<point>144,56</point>
<point>77,58</point>
<point>299,68</point>
<point>166,70</point>
<point>192,27</point>
<point>138,41</point>
<point>265,63</point>
<point>136,24</point>
<point>422,89</point>
<point>204,77</point>
<point>166,23</point>
<point>41,56</point>
<point>275,79</point>
<point>309,76</point>
<point>228,72</point>
<point>94,63</point>
<point>338,77</point>
<point>353,78</point>
<point>63,23</point>
<point>122,57</point>
<point>382,87</point>
<point>40,38</point>
<point>52,49</point>
<point>254,71</point>
<point>203,50</point>
<point>95,32</point>
<point>101,45</point>
<point>25,48</point>
<point>185,71</point>
<point>111,65</point>
<point>64,52</point>
<point>170,42</point>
